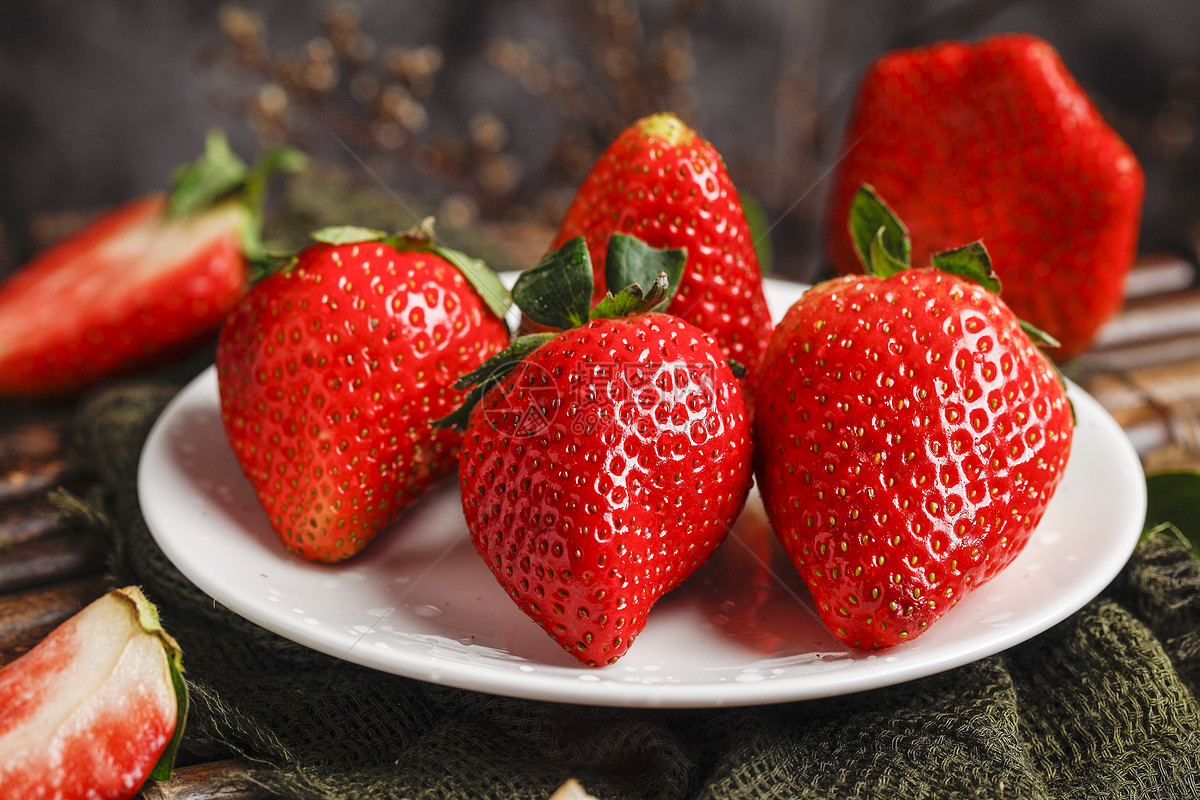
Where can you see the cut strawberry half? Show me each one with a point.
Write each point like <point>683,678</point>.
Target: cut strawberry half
<point>96,707</point>
<point>143,280</point>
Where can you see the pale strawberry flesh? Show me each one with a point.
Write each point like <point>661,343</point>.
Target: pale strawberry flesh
<point>89,711</point>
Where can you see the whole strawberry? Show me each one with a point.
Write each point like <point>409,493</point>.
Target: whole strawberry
<point>144,280</point>
<point>664,184</point>
<point>910,435</point>
<point>332,371</point>
<point>602,465</point>
<point>997,141</point>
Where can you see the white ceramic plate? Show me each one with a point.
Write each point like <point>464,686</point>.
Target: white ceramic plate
<point>419,602</point>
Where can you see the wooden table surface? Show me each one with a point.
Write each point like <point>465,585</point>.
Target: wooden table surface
<point>1145,370</point>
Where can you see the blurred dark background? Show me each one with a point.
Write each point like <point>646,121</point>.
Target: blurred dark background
<point>490,113</point>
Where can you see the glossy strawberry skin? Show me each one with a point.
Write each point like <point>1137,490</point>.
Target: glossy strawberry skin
<point>117,294</point>
<point>910,439</point>
<point>330,375</point>
<point>663,183</point>
<point>602,472</point>
<point>996,141</point>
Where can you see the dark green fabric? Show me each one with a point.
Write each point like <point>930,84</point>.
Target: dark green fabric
<point>1102,706</point>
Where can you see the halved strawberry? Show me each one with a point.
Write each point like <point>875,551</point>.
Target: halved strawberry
<point>150,276</point>
<point>96,707</point>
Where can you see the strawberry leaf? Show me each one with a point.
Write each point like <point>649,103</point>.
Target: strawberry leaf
<point>217,174</point>
<point>971,261</point>
<point>487,284</point>
<point>882,263</point>
<point>166,761</point>
<point>488,374</point>
<point>557,293</point>
<point>506,358</point>
<point>348,234</point>
<point>1172,499</point>
<point>880,236</point>
<point>760,228</point>
<point>630,261</point>
<point>633,300</point>
<point>1037,335</point>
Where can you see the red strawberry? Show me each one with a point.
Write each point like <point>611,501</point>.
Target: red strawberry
<point>661,182</point>
<point>149,277</point>
<point>332,371</point>
<point>609,463</point>
<point>998,141</point>
<point>95,708</point>
<point>910,436</point>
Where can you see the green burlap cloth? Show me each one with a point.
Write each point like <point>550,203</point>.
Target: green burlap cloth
<point>1102,706</point>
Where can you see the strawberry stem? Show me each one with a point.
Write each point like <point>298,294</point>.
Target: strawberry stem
<point>212,177</point>
<point>633,300</point>
<point>218,176</point>
<point>629,261</point>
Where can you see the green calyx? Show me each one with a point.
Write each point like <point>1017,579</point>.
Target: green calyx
<point>487,375</point>
<point>219,175</point>
<point>421,239</point>
<point>148,619</point>
<point>885,248</point>
<point>557,293</point>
